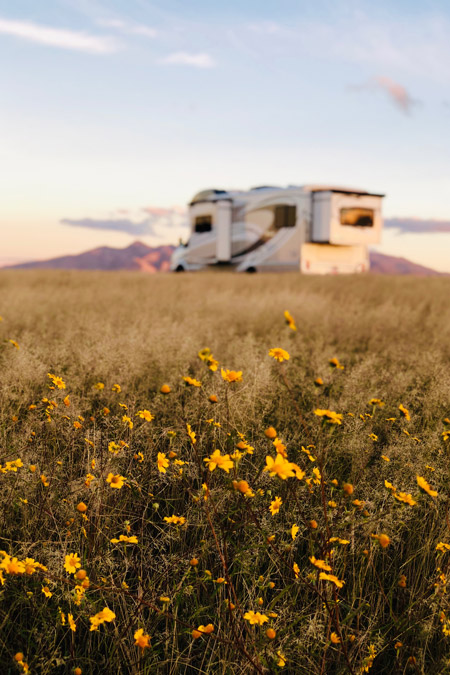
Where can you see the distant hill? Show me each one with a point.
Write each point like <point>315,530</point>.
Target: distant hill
<point>389,264</point>
<point>139,256</point>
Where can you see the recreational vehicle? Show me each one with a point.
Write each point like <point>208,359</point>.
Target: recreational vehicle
<point>317,229</point>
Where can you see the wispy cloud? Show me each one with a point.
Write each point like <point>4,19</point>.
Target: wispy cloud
<point>129,28</point>
<point>417,225</point>
<point>199,60</point>
<point>160,223</point>
<point>59,37</point>
<point>397,93</point>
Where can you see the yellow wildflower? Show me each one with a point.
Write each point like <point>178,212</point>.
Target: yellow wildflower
<point>320,564</point>
<point>72,624</point>
<point>162,462</point>
<point>330,416</point>
<point>115,480</point>
<point>231,375</point>
<point>404,412</point>
<point>142,639</point>
<point>424,485</point>
<point>294,530</point>
<point>279,354</point>
<point>116,388</point>
<point>106,615</point>
<point>279,467</point>
<point>217,460</point>
<point>190,381</point>
<point>176,520</point>
<point>256,618</point>
<point>334,363</point>
<point>330,577</point>
<point>145,415</point>
<point>72,563</point>
<point>275,505</point>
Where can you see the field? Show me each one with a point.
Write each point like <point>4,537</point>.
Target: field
<point>298,523</point>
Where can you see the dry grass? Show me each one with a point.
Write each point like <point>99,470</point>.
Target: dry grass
<point>392,335</point>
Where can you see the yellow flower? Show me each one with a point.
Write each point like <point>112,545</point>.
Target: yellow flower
<point>46,591</point>
<point>320,564</point>
<point>162,462</point>
<point>330,416</point>
<point>376,401</point>
<point>99,386</point>
<point>44,480</point>
<point>279,467</point>
<point>383,539</point>
<point>221,461</point>
<point>115,480</point>
<point>142,639</point>
<point>145,415</point>
<point>404,412</point>
<point>270,432</point>
<point>106,615</point>
<point>128,421</point>
<point>176,520</point>
<point>422,483</point>
<point>294,530</point>
<point>190,381</point>
<point>191,434</point>
<point>14,344</point>
<point>405,498</point>
<point>290,320</point>
<point>330,577</point>
<point>279,354</point>
<point>442,547</point>
<point>123,537</point>
<point>12,565</point>
<point>57,381</point>
<point>116,388</point>
<point>318,382</point>
<point>165,389</point>
<point>275,505</point>
<point>373,437</point>
<point>334,363</point>
<point>296,569</point>
<point>335,639</point>
<point>72,624</point>
<point>231,375</point>
<point>281,660</point>
<point>72,563</point>
<point>256,618</point>
<point>386,458</point>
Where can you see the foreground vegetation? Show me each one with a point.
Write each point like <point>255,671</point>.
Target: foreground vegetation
<point>165,513</point>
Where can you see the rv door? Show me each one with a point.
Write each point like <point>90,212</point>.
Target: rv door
<point>223,231</point>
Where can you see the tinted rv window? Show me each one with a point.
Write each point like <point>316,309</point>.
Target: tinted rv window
<point>284,216</point>
<point>357,217</point>
<point>203,224</point>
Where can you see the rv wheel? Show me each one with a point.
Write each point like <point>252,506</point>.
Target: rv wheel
<point>180,268</point>
<point>251,270</point>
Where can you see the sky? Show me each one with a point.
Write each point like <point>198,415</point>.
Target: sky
<point>114,113</point>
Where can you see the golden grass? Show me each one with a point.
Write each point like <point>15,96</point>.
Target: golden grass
<point>393,337</point>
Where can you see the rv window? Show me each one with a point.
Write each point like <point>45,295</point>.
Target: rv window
<point>203,224</point>
<point>357,217</point>
<point>284,216</point>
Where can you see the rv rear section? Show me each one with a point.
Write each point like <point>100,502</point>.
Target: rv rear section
<point>313,229</point>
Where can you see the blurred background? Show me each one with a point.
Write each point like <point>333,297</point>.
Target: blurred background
<point>114,113</point>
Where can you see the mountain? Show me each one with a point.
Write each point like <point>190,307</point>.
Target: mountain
<point>389,264</point>
<point>139,256</point>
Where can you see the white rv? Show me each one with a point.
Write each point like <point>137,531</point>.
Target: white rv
<point>317,229</point>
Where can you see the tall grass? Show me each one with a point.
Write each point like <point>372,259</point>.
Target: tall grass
<point>231,556</point>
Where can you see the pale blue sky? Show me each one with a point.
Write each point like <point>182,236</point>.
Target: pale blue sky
<point>109,108</point>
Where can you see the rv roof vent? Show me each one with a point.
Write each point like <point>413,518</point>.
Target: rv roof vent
<point>265,187</point>
<point>206,195</point>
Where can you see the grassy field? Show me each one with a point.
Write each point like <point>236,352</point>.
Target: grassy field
<point>315,538</point>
